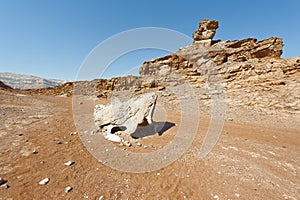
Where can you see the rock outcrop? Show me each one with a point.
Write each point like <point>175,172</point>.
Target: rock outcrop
<point>125,116</point>
<point>252,73</point>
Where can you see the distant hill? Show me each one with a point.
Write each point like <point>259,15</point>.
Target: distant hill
<point>4,86</point>
<point>20,81</point>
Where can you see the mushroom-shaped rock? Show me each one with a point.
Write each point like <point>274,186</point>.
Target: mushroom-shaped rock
<point>206,31</point>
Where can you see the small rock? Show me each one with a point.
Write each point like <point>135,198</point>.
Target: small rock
<point>73,133</point>
<point>127,143</point>
<point>145,147</point>
<point>35,151</point>
<point>69,163</point>
<point>137,89</point>
<point>237,195</point>
<point>139,144</point>
<point>113,137</point>
<point>4,186</point>
<point>93,132</point>
<point>216,197</point>
<point>101,197</point>
<point>68,189</point>
<point>20,134</point>
<point>46,123</point>
<point>2,181</point>
<point>44,181</point>
<point>161,88</point>
<point>229,119</point>
<point>80,103</point>
<point>58,142</point>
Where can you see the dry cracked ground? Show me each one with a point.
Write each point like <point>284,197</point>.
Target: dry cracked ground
<point>253,159</point>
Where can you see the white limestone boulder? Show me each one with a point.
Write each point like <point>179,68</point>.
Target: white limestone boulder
<point>125,116</point>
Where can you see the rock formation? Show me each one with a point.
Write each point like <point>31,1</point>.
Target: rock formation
<point>125,116</point>
<point>205,32</point>
<point>252,73</point>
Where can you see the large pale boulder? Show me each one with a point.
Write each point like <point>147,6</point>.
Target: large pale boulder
<point>125,116</point>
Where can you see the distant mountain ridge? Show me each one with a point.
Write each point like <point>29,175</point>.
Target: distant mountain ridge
<point>21,81</point>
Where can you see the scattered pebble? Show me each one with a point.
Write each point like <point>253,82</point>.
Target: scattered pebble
<point>161,88</point>
<point>127,143</point>
<point>229,119</point>
<point>68,189</point>
<point>73,133</point>
<point>158,174</point>
<point>58,142</point>
<point>20,134</point>
<point>4,186</point>
<point>139,144</point>
<point>101,197</point>
<point>46,123</point>
<point>69,163</point>
<point>145,147</point>
<point>80,103</point>
<point>93,132</point>
<point>237,195</point>
<point>3,183</point>
<point>35,151</point>
<point>216,197</point>
<point>44,181</point>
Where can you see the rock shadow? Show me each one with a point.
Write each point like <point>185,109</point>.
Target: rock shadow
<point>152,129</point>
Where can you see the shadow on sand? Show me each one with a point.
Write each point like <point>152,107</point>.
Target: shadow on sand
<point>152,129</point>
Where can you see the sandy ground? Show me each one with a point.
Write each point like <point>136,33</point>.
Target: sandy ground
<point>250,161</point>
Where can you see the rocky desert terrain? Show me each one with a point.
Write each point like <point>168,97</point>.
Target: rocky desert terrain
<point>50,148</point>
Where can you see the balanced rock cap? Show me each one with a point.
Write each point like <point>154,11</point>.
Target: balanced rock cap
<point>206,30</point>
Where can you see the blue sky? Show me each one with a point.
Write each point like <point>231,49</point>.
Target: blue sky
<point>52,38</point>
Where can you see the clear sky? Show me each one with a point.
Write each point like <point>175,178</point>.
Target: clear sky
<point>51,38</point>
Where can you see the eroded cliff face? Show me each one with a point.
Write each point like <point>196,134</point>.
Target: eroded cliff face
<point>250,72</point>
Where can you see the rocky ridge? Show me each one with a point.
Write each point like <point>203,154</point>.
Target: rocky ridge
<point>20,81</point>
